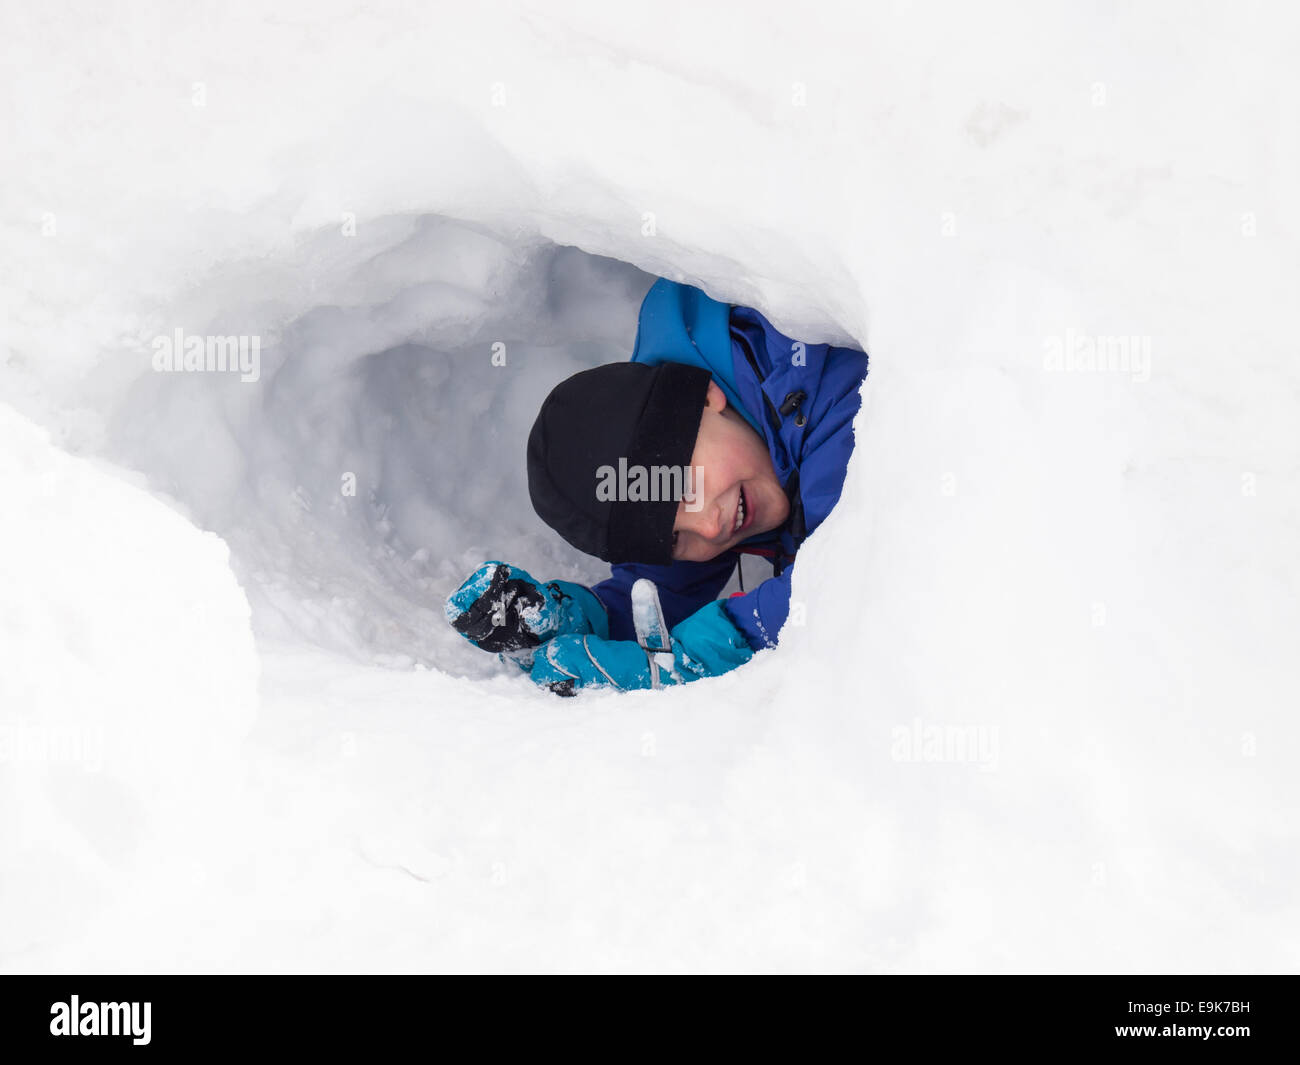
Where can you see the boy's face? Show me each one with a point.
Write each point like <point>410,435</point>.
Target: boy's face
<point>733,463</point>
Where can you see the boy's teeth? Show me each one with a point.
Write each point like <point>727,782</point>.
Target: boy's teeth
<point>740,512</point>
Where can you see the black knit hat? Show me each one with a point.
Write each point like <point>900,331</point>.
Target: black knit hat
<point>646,416</point>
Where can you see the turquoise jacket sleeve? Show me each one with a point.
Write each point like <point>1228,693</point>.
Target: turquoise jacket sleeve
<point>706,644</point>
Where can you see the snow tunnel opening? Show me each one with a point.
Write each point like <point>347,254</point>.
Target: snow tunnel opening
<point>379,456</point>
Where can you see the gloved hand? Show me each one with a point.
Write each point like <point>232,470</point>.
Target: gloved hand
<point>503,609</point>
<point>706,644</point>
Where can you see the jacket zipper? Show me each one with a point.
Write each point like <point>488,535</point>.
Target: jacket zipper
<point>773,418</point>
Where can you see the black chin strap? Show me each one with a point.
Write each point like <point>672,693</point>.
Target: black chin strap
<point>798,529</point>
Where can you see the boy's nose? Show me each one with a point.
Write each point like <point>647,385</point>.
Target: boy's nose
<point>713,526</point>
<point>709,523</point>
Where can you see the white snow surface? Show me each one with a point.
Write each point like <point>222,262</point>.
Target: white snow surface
<point>1036,710</point>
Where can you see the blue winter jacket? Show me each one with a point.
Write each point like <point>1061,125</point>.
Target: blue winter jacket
<point>801,398</point>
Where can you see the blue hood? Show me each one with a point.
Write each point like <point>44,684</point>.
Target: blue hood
<point>679,323</point>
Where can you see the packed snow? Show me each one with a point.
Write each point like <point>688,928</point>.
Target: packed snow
<point>1035,709</point>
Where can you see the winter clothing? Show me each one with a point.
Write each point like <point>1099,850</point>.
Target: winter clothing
<point>801,398</point>
<point>704,645</point>
<point>558,633</point>
<point>504,610</point>
<point>615,418</point>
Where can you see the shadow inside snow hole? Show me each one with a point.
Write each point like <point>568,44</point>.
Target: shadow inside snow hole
<point>378,457</point>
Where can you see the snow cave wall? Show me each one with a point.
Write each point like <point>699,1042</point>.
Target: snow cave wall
<point>1092,568</point>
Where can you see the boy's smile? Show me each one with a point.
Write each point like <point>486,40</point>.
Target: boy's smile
<point>737,488</point>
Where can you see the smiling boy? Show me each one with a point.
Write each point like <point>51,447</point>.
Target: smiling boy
<point>756,430</point>
<point>740,497</point>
